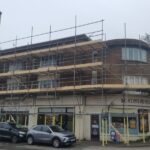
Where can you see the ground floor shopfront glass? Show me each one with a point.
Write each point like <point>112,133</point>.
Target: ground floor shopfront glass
<point>63,116</point>
<point>19,117</point>
<point>135,122</point>
<point>121,121</point>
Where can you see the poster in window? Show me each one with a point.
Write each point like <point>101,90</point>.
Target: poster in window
<point>132,123</point>
<point>143,113</point>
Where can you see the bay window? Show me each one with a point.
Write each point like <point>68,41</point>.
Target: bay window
<point>134,54</point>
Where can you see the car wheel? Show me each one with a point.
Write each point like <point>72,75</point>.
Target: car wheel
<point>56,143</point>
<point>14,139</point>
<point>30,140</point>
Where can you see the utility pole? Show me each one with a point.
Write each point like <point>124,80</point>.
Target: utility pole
<point>0,16</point>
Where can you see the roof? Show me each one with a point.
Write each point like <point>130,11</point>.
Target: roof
<point>47,44</point>
<point>127,42</point>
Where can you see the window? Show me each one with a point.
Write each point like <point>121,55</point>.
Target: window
<point>47,83</point>
<point>56,129</point>
<point>6,126</point>
<point>143,120</point>
<point>118,122</point>
<point>12,84</point>
<point>94,77</point>
<point>37,128</point>
<point>45,129</point>
<point>20,119</point>
<point>15,66</point>
<point>135,80</point>
<point>134,54</point>
<point>94,56</point>
<point>48,61</point>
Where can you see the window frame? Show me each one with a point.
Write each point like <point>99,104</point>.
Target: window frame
<point>134,54</point>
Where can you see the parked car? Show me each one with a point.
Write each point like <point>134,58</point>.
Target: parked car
<point>11,132</point>
<point>54,135</point>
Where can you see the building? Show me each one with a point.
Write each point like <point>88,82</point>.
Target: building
<point>78,83</point>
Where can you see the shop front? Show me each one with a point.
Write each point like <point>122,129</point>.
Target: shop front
<point>131,125</point>
<point>19,117</point>
<point>63,116</point>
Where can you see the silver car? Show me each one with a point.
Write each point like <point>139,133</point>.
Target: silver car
<point>54,135</point>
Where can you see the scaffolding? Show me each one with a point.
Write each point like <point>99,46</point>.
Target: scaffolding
<point>77,65</point>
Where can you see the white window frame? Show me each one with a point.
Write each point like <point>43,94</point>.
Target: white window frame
<point>134,54</point>
<point>135,80</point>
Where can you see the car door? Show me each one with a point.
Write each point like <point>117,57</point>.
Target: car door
<point>46,134</point>
<point>1,129</point>
<point>36,132</point>
<point>5,129</point>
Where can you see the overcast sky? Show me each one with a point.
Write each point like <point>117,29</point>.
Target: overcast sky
<point>20,15</point>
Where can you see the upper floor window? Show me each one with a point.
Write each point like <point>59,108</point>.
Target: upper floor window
<point>135,80</point>
<point>134,54</point>
<point>51,83</point>
<point>15,66</point>
<point>94,56</point>
<point>12,84</point>
<point>94,77</point>
<point>48,61</point>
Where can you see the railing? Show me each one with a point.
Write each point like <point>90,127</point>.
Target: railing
<point>36,64</point>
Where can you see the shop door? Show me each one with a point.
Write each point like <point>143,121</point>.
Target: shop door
<point>95,127</point>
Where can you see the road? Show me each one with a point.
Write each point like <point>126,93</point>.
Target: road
<point>24,146</point>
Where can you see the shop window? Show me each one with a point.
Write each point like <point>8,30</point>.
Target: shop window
<point>132,123</point>
<point>19,119</point>
<point>63,117</point>
<point>143,115</point>
<point>41,119</point>
<point>118,123</point>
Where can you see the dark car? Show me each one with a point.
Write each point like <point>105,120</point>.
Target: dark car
<point>11,132</point>
<point>54,135</point>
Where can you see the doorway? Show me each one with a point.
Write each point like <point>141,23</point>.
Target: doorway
<point>95,127</point>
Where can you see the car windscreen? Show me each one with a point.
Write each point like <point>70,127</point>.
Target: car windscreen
<point>57,129</point>
<point>13,125</point>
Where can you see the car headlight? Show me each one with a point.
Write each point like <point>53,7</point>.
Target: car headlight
<point>65,139</point>
<point>21,134</point>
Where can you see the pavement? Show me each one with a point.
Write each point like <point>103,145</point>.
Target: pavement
<point>115,145</point>
<point>84,145</point>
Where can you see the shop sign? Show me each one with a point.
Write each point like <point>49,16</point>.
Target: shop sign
<point>136,101</point>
